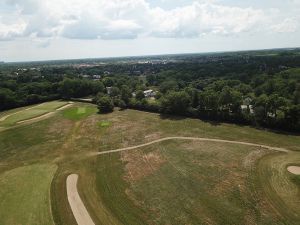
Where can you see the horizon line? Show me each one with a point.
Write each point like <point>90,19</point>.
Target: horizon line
<point>150,55</point>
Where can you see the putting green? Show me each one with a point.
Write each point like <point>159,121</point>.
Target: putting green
<point>81,112</point>
<point>25,195</point>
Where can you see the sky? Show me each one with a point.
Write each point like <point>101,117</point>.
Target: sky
<point>69,29</point>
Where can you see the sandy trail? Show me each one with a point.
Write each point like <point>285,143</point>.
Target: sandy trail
<point>65,106</point>
<point>79,211</point>
<point>294,170</point>
<point>195,139</point>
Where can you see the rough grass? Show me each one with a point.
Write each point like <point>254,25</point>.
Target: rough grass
<point>25,195</point>
<point>196,183</point>
<point>78,113</point>
<point>173,182</point>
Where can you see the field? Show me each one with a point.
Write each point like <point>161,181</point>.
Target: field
<point>170,182</point>
<point>25,195</point>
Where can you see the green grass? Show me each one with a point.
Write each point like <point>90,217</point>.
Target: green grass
<point>176,182</point>
<point>30,112</point>
<point>279,185</point>
<point>78,113</point>
<point>196,183</point>
<point>25,195</point>
<point>104,124</point>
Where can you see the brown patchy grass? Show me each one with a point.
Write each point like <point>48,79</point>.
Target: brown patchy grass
<point>172,182</point>
<point>140,165</point>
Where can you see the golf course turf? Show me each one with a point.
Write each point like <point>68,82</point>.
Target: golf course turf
<point>169,182</point>
<point>25,195</point>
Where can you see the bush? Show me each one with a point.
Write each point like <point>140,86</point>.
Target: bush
<point>105,104</point>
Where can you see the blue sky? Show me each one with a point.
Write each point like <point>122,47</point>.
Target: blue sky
<point>59,29</point>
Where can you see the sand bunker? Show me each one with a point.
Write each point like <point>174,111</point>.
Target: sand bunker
<point>79,211</point>
<point>294,170</point>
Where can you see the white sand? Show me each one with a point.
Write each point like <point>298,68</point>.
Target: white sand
<point>294,170</point>
<point>79,211</point>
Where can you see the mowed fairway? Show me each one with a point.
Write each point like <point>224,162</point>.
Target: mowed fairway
<point>25,195</point>
<point>10,119</point>
<point>170,182</point>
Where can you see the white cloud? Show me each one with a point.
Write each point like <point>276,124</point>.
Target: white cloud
<point>128,19</point>
<point>286,26</point>
<point>198,19</point>
<point>12,30</point>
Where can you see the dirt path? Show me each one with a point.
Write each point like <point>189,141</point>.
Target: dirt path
<point>195,139</point>
<point>79,211</point>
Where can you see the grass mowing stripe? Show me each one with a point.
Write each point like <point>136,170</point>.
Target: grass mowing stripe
<point>25,195</point>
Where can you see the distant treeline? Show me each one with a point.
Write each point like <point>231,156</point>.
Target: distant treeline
<point>240,88</point>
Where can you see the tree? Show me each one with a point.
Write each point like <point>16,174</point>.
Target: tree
<point>7,99</point>
<point>115,92</point>
<point>292,116</point>
<point>176,102</point>
<point>261,107</point>
<point>225,98</point>
<point>98,87</point>
<point>276,103</point>
<point>125,94</point>
<point>170,85</point>
<point>105,104</point>
<point>139,95</point>
<point>297,95</point>
<point>108,82</point>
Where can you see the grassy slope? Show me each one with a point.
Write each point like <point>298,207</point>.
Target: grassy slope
<point>197,183</point>
<point>66,138</point>
<point>134,127</point>
<point>25,195</point>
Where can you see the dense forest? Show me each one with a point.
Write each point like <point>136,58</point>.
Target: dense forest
<point>260,88</point>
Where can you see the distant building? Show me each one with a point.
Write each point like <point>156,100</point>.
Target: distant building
<point>96,77</point>
<point>247,101</point>
<point>248,108</point>
<point>247,105</point>
<point>108,89</point>
<point>149,93</point>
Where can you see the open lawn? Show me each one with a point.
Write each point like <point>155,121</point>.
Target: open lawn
<point>25,195</point>
<point>170,182</point>
<point>77,113</point>
<point>190,182</point>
